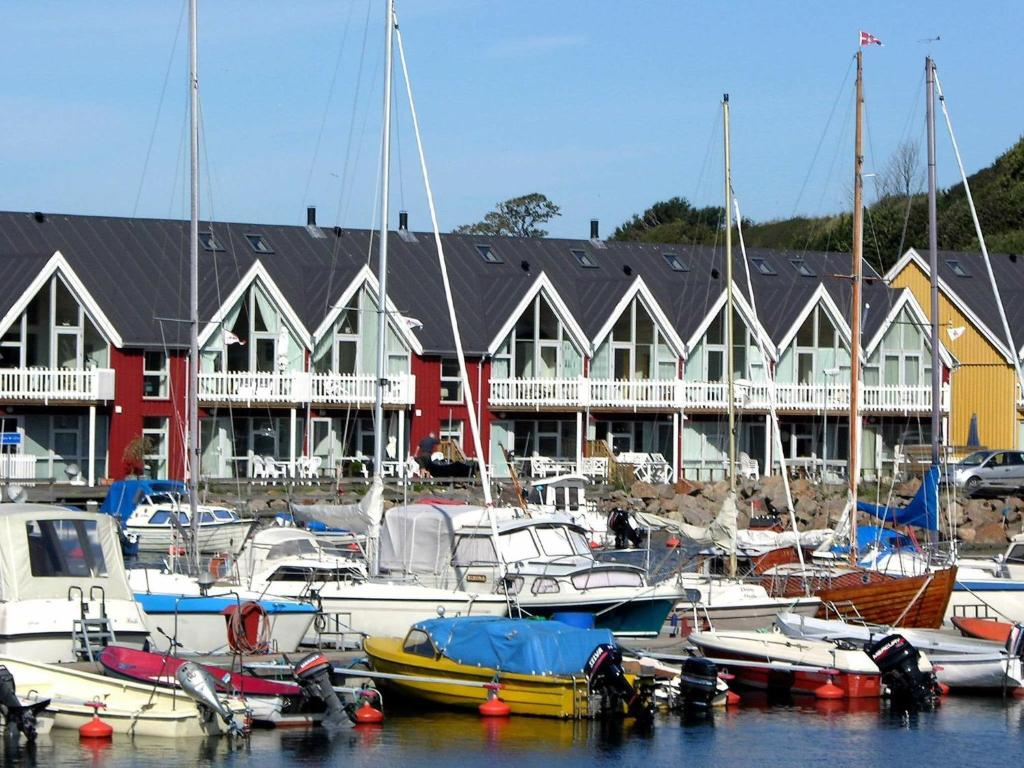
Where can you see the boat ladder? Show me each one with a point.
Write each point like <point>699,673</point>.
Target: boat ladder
<point>89,636</point>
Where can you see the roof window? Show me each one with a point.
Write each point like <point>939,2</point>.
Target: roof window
<point>762,266</point>
<point>488,255</point>
<point>957,268</point>
<point>675,262</point>
<point>209,242</point>
<point>259,244</point>
<point>801,267</point>
<point>584,259</point>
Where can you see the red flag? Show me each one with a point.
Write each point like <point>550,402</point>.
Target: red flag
<point>866,38</point>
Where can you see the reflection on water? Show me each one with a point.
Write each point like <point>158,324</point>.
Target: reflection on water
<point>762,732</point>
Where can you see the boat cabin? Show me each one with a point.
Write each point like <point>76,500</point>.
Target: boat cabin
<point>566,493</point>
<point>289,554</point>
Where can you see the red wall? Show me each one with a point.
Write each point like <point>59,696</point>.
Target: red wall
<point>430,413</point>
<point>126,425</point>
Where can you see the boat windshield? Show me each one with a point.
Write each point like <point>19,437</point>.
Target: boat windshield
<point>292,548</point>
<point>418,643</point>
<point>518,545</point>
<point>974,459</point>
<point>65,548</point>
<point>559,541</point>
<point>164,498</point>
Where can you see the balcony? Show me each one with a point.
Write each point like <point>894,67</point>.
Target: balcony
<point>50,385</point>
<point>359,389</point>
<point>537,393</point>
<point>582,393</point>
<point>635,394</point>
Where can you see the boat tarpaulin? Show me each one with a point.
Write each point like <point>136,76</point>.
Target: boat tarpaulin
<point>518,646</point>
<point>362,517</point>
<point>922,511</point>
<point>125,495</point>
<point>720,532</point>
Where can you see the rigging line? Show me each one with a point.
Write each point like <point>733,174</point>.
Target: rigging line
<point>397,143</point>
<point>327,103</point>
<point>906,215</point>
<point>159,108</point>
<point>712,141</point>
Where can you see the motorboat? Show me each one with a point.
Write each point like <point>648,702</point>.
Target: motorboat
<point>63,590</point>
<point>567,494</point>
<point>74,696</point>
<point>987,586</point>
<point>156,514</point>
<point>542,563</point>
<point>543,668</point>
<point>718,602</point>
<point>959,662</point>
<point>187,616</point>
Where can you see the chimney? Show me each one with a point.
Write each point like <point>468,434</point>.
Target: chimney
<point>403,221</point>
<point>594,230</point>
<point>311,216</point>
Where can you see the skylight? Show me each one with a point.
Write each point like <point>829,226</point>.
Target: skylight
<point>489,255</point>
<point>801,267</point>
<point>209,242</point>
<point>259,244</point>
<point>584,259</point>
<point>762,266</point>
<point>675,262</point>
<point>958,269</point>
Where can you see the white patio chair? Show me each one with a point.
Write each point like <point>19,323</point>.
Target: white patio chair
<point>275,469</point>
<point>257,469</point>
<point>747,467</point>
<point>313,464</point>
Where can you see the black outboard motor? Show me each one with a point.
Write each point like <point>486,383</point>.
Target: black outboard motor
<point>620,525</point>
<point>898,661</point>
<point>19,717</point>
<point>1015,642</point>
<point>698,684</point>
<point>607,678</point>
<point>313,673</point>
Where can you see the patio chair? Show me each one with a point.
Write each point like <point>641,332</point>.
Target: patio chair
<point>257,469</point>
<point>747,468</point>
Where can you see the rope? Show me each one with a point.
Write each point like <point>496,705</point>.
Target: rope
<point>240,638</point>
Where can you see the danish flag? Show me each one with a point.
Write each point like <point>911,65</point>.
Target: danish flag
<point>866,38</point>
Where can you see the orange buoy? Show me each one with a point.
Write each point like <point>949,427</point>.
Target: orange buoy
<point>368,714</point>
<point>672,542</point>
<point>595,545</point>
<point>829,690</point>
<point>943,689</point>
<point>732,698</point>
<point>95,728</point>
<point>494,706</point>
<point>1018,693</point>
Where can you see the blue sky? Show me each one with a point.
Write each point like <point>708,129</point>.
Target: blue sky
<point>605,106</point>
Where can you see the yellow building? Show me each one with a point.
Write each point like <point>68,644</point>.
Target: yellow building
<point>983,377</point>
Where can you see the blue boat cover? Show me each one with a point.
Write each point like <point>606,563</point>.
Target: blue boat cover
<point>190,604</point>
<point>520,646</point>
<point>124,495</point>
<point>922,511</point>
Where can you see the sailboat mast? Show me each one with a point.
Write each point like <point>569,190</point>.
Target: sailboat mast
<point>858,280</point>
<point>729,330</point>
<point>193,295</point>
<point>933,263</point>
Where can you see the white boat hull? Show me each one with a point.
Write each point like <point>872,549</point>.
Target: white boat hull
<point>213,538</point>
<point>999,598</point>
<point>733,605</point>
<point>41,629</point>
<point>205,633</point>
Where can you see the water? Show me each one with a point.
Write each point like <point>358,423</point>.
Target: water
<point>964,732</point>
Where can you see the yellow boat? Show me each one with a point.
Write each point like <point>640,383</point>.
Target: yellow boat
<point>545,668</point>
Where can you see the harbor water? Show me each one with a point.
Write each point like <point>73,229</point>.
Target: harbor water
<point>964,732</point>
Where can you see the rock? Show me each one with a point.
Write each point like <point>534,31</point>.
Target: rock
<point>666,491</point>
<point>981,512</point>
<point>687,487</point>
<point>966,535</point>
<point>668,506</point>
<point>990,533</point>
<point>654,506</point>
<point>908,489</point>
<point>697,516</point>
<point>641,490</point>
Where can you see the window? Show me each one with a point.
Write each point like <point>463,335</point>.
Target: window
<point>675,262</point>
<point>518,545</point>
<point>817,348</point>
<point>154,373</point>
<point>418,643</point>
<point>154,432</point>
<point>451,430</point>
<point>762,266</point>
<point>957,268</point>
<point>539,346</point>
<point>801,267</point>
<point>544,585</point>
<point>209,242</point>
<point>584,259</point>
<point>451,381</point>
<point>488,255</point>
<point>474,550</point>
<point>65,548</point>
<point>259,244</point>
<point>554,541</point>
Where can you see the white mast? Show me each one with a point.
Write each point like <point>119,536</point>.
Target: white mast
<point>193,257</point>
<point>729,330</point>
<point>858,275</point>
<point>933,269</point>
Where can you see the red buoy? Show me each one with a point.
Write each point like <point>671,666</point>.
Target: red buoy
<point>95,728</point>
<point>829,691</point>
<point>1018,693</point>
<point>494,707</point>
<point>672,542</point>
<point>943,689</point>
<point>732,698</point>
<point>368,714</point>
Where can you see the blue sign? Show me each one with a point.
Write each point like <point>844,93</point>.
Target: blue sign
<point>10,438</point>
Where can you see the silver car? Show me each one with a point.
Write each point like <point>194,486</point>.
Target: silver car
<point>990,471</point>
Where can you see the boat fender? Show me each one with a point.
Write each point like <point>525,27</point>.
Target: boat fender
<point>368,714</point>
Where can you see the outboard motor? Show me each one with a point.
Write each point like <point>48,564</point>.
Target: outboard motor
<point>898,661</point>
<point>1015,642</point>
<point>625,533</point>
<point>200,686</point>
<point>604,668</point>
<point>313,673</point>
<point>698,683</point>
<point>18,716</point>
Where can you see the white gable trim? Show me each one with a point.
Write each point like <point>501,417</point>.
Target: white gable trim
<point>543,283</point>
<point>913,256</point>
<point>59,265</point>
<point>639,288</point>
<point>256,272</point>
<point>365,277</point>
<point>742,306</point>
<point>820,295</point>
<point>906,299</point>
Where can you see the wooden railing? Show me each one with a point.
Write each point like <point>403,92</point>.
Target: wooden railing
<point>61,384</point>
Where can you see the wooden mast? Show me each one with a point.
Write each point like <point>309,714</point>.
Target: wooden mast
<point>855,324</point>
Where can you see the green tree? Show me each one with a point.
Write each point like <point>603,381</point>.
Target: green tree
<point>517,217</point>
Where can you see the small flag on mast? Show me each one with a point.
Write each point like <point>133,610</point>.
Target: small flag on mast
<point>866,38</point>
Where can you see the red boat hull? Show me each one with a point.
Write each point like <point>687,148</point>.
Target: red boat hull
<point>853,685</point>
<point>983,629</point>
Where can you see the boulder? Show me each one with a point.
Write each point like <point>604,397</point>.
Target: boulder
<point>697,516</point>
<point>666,491</point>
<point>981,512</point>
<point>990,533</point>
<point>668,506</point>
<point>687,487</point>
<point>908,489</point>
<point>641,490</point>
<point>966,535</point>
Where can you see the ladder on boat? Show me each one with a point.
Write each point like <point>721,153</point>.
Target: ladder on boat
<point>90,636</point>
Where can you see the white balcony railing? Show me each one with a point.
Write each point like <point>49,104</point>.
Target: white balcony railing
<point>252,387</point>
<point>60,384</point>
<point>17,466</point>
<point>529,393</point>
<point>639,393</point>
<point>341,388</point>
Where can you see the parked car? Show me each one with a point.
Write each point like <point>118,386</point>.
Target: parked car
<point>988,471</point>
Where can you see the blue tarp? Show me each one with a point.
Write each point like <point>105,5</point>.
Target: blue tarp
<point>886,539</point>
<point>520,646</point>
<point>922,511</point>
<point>124,495</point>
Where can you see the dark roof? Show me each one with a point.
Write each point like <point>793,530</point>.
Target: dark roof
<point>136,269</point>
